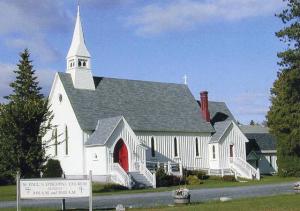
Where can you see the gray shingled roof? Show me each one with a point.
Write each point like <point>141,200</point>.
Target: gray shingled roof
<point>261,135</point>
<point>254,129</point>
<point>146,106</point>
<point>265,141</point>
<point>104,129</point>
<point>220,128</point>
<point>219,107</point>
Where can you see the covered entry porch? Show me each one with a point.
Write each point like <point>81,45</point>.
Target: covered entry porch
<point>124,157</point>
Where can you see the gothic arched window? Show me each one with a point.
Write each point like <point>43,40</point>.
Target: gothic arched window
<point>152,147</point>
<point>197,147</point>
<point>214,151</point>
<point>175,148</point>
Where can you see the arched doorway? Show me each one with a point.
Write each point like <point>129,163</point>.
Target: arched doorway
<point>121,155</point>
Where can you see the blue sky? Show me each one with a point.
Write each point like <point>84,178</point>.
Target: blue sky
<point>227,47</point>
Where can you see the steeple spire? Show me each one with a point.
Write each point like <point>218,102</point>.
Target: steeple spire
<point>79,59</point>
<point>78,47</point>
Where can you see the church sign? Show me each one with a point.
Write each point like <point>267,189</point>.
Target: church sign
<point>55,188</point>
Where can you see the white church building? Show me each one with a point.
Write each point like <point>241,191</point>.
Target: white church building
<point>122,130</point>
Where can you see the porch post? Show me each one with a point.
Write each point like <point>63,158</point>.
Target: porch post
<point>91,191</point>
<point>154,180</point>
<point>180,168</point>
<point>169,168</point>
<point>257,174</point>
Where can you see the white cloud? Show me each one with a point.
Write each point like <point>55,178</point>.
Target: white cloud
<point>37,45</point>
<point>32,16</point>
<point>104,4</point>
<point>45,78</point>
<point>185,14</point>
<point>251,110</point>
<point>27,23</point>
<point>7,76</point>
<point>251,103</point>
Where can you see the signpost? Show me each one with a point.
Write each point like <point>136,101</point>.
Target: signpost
<point>48,188</point>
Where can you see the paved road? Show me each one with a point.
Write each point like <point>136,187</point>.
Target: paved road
<point>159,198</point>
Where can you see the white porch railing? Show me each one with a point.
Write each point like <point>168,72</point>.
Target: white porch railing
<point>151,177</point>
<point>169,167</point>
<point>118,175</point>
<point>219,172</point>
<point>244,169</point>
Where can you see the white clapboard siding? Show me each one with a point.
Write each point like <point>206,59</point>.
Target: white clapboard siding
<point>65,117</point>
<point>124,132</point>
<point>186,145</point>
<point>233,136</point>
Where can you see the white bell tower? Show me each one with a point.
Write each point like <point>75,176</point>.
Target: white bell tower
<point>79,59</point>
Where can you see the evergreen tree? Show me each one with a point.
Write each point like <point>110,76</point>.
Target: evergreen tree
<point>284,115</point>
<point>23,121</point>
<point>252,122</point>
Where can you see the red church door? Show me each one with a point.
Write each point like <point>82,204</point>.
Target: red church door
<point>121,155</point>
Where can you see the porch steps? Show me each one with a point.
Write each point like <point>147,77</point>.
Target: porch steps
<point>140,179</point>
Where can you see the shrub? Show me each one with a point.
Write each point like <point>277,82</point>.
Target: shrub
<point>110,187</point>
<point>200,174</point>
<point>229,178</point>
<point>213,177</point>
<point>6,179</point>
<point>164,180</point>
<point>289,166</point>
<point>193,180</point>
<point>52,169</point>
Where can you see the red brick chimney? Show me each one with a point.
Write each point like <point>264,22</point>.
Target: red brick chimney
<point>204,105</point>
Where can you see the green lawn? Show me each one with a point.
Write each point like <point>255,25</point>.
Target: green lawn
<point>210,183</point>
<point>9,192</point>
<point>271,203</point>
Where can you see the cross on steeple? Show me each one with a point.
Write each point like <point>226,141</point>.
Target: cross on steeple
<point>185,79</point>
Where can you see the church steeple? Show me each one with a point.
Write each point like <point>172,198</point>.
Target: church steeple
<point>79,59</point>
<point>78,47</point>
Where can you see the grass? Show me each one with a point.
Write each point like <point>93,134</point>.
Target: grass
<point>210,183</point>
<point>289,202</point>
<point>272,203</point>
<point>8,193</point>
